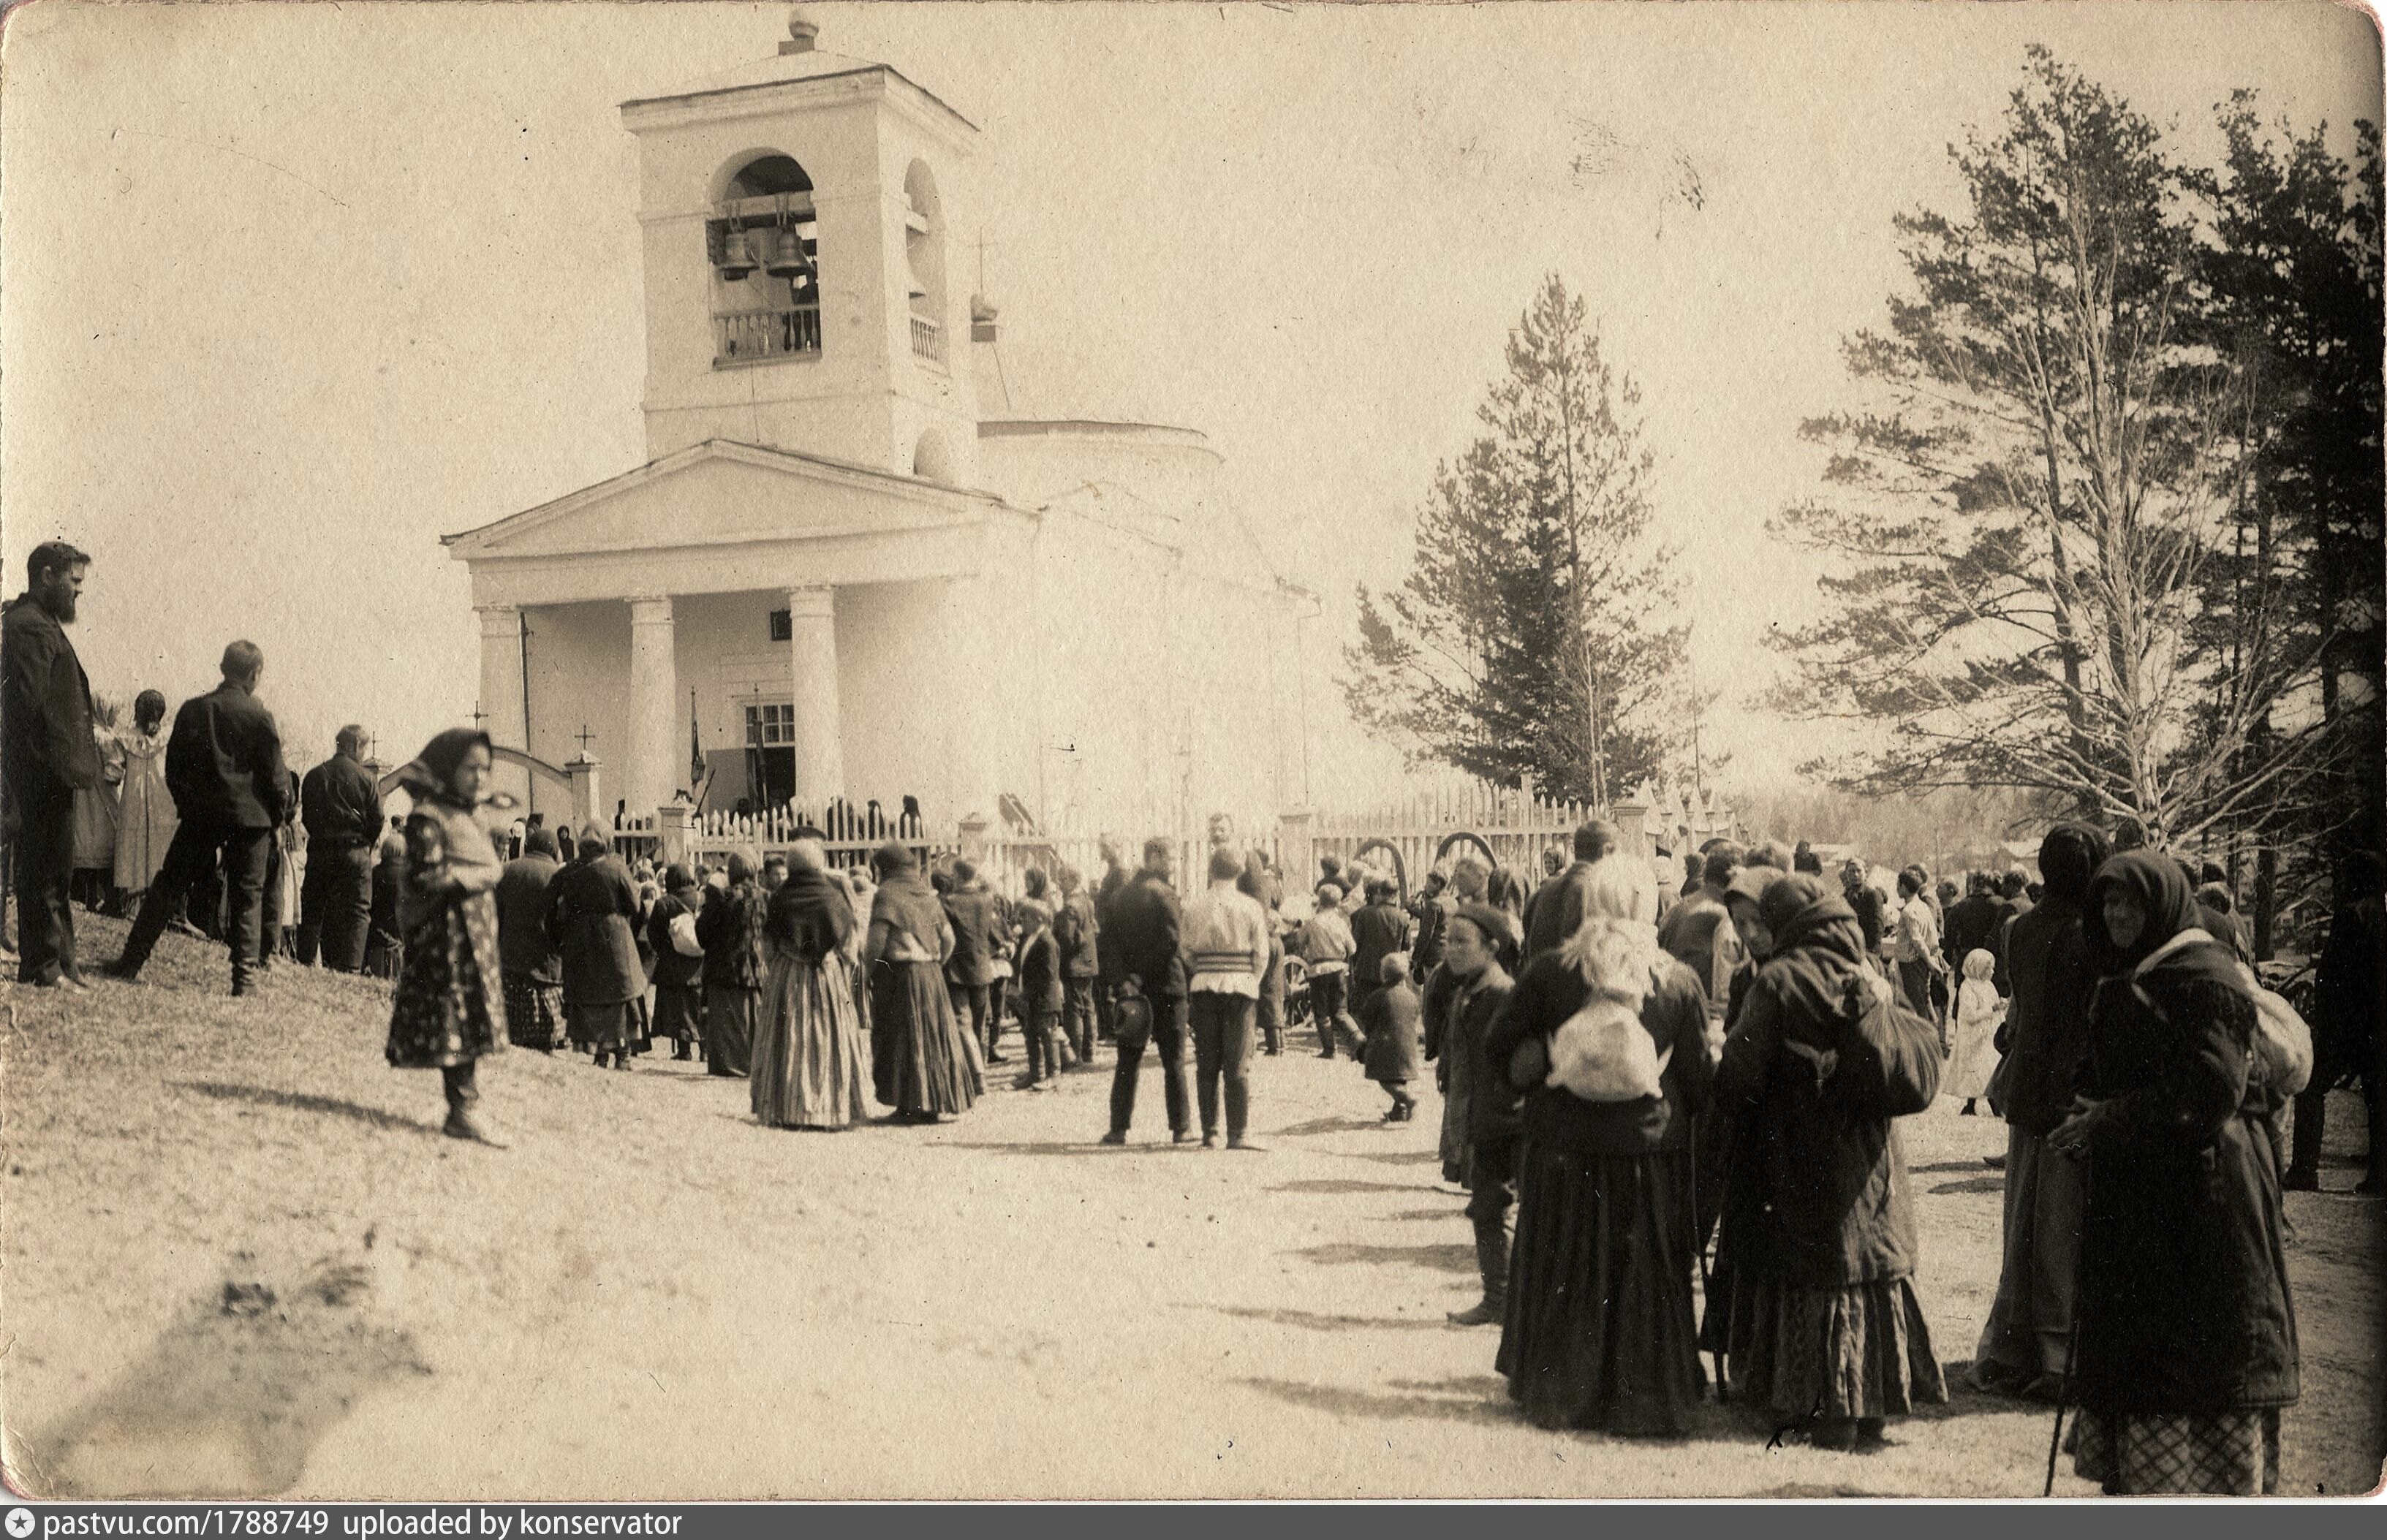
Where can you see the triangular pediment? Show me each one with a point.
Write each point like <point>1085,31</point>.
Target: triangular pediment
<point>723,494</point>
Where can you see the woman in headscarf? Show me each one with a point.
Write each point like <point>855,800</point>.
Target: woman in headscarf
<point>926,1067</point>
<point>592,914</point>
<point>146,822</point>
<point>1599,1331</point>
<point>1822,1325</point>
<point>808,1051</point>
<point>2186,1336</point>
<point>450,1011</point>
<point>2052,978</point>
<point>737,967</point>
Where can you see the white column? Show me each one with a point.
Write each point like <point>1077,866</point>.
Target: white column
<point>501,692</point>
<point>819,728</point>
<point>647,778</point>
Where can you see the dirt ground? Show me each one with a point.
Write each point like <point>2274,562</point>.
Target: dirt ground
<point>241,1260</point>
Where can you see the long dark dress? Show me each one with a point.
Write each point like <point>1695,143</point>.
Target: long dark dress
<point>1815,1306</point>
<point>591,910</point>
<point>1599,1331</point>
<point>924,1064</point>
<point>2187,1331</point>
<point>808,1052</point>
<point>449,1008</point>
<point>736,967</point>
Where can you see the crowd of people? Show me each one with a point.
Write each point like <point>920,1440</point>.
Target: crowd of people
<point>1674,1109</point>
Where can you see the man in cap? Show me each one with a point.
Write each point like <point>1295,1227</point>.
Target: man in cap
<point>224,770</point>
<point>50,754</point>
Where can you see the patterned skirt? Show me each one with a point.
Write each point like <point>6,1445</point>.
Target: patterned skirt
<point>446,1011</point>
<point>808,1049</point>
<point>1859,1351</point>
<point>923,1062</point>
<point>533,1013</point>
<point>2231,1453</point>
<point>1599,1331</point>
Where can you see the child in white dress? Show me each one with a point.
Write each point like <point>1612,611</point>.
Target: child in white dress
<point>1979,1010</point>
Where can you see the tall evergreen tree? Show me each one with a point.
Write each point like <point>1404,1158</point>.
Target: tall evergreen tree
<point>1534,633</point>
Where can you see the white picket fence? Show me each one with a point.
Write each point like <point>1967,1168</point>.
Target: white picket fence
<point>1444,816</point>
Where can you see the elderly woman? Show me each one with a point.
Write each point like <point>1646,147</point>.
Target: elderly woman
<point>592,914</point>
<point>2186,1333</point>
<point>737,966</point>
<point>1599,1331</point>
<point>1822,1325</point>
<point>925,1066</point>
<point>450,1011</point>
<point>808,1050</point>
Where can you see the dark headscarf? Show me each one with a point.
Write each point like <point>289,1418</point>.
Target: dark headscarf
<point>811,912</point>
<point>429,774</point>
<point>2069,857</point>
<point>1803,910</point>
<point>2162,889</point>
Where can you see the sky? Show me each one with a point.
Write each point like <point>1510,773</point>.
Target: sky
<point>291,290</point>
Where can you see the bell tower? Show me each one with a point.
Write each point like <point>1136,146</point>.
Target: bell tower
<point>801,216</point>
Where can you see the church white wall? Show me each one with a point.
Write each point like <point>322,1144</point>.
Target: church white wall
<point>579,668</point>
<point>895,692</point>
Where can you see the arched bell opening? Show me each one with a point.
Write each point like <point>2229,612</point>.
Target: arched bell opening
<point>763,243</point>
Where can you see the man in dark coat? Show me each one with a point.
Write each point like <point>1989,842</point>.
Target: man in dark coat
<point>2347,1039</point>
<point>223,767</point>
<point>1140,940</point>
<point>1079,936</point>
<point>1864,900</point>
<point>1378,931</point>
<point>1487,1105</point>
<point>970,972</point>
<point>50,754</point>
<point>1555,912</point>
<point>2050,978</point>
<point>1974,923</point>
<point>340,806</point>
<point>1697,932</point>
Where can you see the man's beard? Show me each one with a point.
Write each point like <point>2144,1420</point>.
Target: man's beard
<point>62,608</point>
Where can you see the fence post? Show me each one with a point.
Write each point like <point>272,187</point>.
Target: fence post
<point>671,829</point>
<point>1294,852</point>
<point>585,798</point>
<point>1632,816</point>
<point>975,846</point>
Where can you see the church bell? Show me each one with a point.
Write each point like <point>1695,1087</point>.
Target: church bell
<point>737,257</point>
<point>787,255</point>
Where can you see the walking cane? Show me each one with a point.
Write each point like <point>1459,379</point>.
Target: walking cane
<point>2071,1347</point>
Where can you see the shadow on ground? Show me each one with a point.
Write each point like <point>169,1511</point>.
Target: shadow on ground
<point>1328,1125</point>
<point>389,1122</point>
<point>1407,1157</point>
<point>1090,1148</point>
<point>1465,1398</point>
<point>1336,1254</point>
<point>1992,1183</point>
<point>1310,1320</point>
<point>230,1399</point>
<point>1338,1185</point>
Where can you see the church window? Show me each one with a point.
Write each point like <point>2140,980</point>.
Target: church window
<point>770,725</point>
<point>923,252</point>
<point>763,244</point>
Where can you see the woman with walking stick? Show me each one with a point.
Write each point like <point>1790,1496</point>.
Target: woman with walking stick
<point>2185,1345</point>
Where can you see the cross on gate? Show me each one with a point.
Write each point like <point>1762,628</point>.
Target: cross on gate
<point>478,716</point>
<point>584,734</point>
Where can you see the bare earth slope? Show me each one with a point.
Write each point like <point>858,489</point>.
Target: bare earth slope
<point>241,1260</point>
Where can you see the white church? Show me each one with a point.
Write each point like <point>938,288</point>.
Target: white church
<point>843,572</point>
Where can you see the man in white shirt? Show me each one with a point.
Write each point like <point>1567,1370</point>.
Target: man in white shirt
<point>1224,940</point>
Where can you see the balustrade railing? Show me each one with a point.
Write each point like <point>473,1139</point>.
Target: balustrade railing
<point>742,336</point>
<point>927,339</point>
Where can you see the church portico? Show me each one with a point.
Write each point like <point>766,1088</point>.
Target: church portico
<point>837,578</point>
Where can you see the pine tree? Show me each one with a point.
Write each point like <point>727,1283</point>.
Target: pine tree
<point>1534,634</point>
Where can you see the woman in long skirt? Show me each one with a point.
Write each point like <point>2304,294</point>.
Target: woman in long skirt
<point>925,1066</point>
<point>1599,1331</point>
<point>2186,1330</point>
<point>449,1012</point>
<point>592,912</point>
<point>808,1052</point>
<point>1822,1328</point>
<point>145,819</point>
<point>737,967</point>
